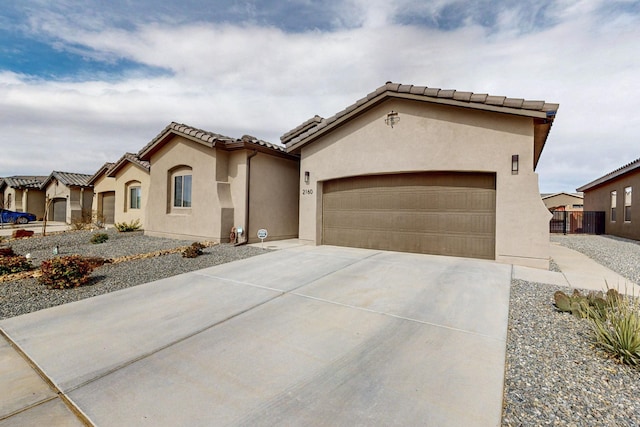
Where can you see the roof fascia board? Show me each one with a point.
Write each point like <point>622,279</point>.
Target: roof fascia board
<point>607,178</point>
<point>114,170</point>
<point>420,98</point>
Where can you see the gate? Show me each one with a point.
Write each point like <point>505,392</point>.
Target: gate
<point>577,222</point>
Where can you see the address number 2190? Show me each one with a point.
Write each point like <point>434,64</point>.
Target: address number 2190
<point>307,192</point>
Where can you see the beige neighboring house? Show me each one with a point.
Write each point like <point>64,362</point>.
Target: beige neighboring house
<point>132,177</point>
<point>70,196</point>
<point>203,184</point>
<point>570,202</point>
<point>417,169</point>
<point>103,206</point>
<point>23,194</point>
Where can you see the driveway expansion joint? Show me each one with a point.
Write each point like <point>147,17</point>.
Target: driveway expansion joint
<point>52,385</point>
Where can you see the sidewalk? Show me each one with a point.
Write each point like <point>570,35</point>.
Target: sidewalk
<point>7,229</point>
<point>578,271</point>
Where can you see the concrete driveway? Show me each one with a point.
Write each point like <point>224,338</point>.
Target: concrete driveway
<point>302,336</point>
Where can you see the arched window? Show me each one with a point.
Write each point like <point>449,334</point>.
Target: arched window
<point>181,187</point>
<point>134,195</point>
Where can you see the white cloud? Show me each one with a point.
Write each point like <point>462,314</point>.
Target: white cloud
<point>237,79</point>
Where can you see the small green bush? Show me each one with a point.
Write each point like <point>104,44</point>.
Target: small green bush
<point>124,227</point>
<point>68,271</point>
<point>99,238</point>
<point>14,264</point>
<point>618,332</point>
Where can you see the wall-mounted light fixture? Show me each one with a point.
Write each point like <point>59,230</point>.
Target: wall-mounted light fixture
<point>515,160</point>
<point>306,177</point>
<point>392,118</point>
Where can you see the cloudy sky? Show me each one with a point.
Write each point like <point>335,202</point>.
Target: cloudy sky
<point>82,82</point>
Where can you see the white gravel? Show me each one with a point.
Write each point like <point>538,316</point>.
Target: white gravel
<point>25,296</point>
<point>554,375</point>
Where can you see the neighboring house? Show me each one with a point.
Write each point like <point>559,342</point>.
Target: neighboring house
<point>132,177</point>
<point>203,184</point>
<point>425,170</point>
<point>23,194</point>
<point>613,194</point>
<point>120,190</point>
<point>104,195</point>
<point>563,201</point>
<point>70,196</point>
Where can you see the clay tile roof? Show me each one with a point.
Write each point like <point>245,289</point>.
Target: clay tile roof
<point>103,170</point>
<point>24,181</point>
<point>207,138</point>
<point>69,179</point>
<point>518,106</point>
<point>128,158</point>
<point>629,167</point>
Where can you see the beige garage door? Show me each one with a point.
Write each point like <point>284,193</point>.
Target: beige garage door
<point>108,206</point>
<point>433,213</point>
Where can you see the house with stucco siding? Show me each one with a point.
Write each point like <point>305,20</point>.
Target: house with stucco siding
<point>418,169</point>
<point>121,190</point>
<point>69,196</point>
<point>613,194</point>
<point>204,185</point>
<point>23,194</point>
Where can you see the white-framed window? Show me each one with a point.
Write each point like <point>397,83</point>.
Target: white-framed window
<point>614,196</point>
<point>182,190</point>
<point>627,204</point>
<point>135,197</point>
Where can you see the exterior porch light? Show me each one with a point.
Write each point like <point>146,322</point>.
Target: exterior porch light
<point>392,118</point>
<point>306,177</point>
<point>515,160</point>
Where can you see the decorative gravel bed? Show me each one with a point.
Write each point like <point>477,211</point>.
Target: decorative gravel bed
<point>554,375</point>
<point>27,295</point>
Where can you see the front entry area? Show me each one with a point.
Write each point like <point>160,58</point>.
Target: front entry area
<point>438,213</point>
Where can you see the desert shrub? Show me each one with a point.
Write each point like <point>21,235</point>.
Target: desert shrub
<point>124,227</point>
<point>193,251</point>
<point>68,271</point>
<point>82,223</point>
<point>99,238</point>
<point>6,251</point>
<point>618,333</point>
<point>14,264</point>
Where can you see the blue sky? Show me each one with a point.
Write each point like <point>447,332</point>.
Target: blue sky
<point>82,82</point>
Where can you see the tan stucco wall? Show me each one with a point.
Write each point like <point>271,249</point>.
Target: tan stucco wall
<point>274,197</point>
<point>219,193</point>
<point>34,201</point>
<point>102,184</point>
<point>599,199</point>
<point>130,175</point>
<point>437,138</point>
<point>79,200</point>
<point>9,198</point>
<point>201,221</point>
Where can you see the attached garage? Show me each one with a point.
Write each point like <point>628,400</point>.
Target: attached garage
<point>59,210</point>
<point>441,213</point>
<point>426,170</point>
<point>108,206</point>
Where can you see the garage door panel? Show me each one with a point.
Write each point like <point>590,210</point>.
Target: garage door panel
<point>439,213</point>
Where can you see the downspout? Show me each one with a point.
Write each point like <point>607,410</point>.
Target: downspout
<point>248,193</point>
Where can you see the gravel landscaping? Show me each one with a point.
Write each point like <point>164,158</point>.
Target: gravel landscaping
<point>27,295</point>
<point>553,374</point>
